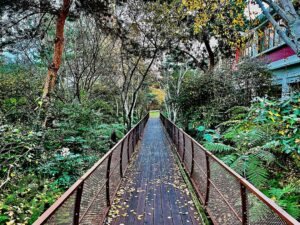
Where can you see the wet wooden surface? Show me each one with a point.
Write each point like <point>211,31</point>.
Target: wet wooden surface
<point>153,190</point>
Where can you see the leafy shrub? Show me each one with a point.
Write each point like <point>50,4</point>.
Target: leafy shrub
<point>262,144</point>
<point>65,167</point>
<point>80,128</point>
<point>19,92</point>
<point>206,98</point>
<point>24,202</point>
<point>287,197</point>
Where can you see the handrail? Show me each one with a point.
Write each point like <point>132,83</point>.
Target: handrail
<point>215,184</point>
<point>83,200</point>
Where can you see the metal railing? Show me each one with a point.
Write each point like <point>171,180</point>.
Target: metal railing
<point>89,199</point>
<point>227,197</point>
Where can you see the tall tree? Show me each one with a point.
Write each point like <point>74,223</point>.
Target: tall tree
<point>217,25</point>
<point>287,12</point>
<point>18,25</point>
<point>58,48</point>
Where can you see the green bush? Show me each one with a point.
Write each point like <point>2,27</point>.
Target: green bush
<point>65,167</point>
<point>262,144</point>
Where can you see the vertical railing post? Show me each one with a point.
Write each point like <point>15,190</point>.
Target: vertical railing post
<point>183,149</point>
<point>178,140</point>
<point>207,179</point>
<point>133,141</point>
<point>244,205</point>
<point>173,132</point>
<point>128,144</point>
<point>77,204</point>
<point>193,156</point>
<point>121,159</point>
<point>107,179</point>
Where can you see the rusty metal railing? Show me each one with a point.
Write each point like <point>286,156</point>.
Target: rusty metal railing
<point>228,198</point>
<point>89,199</point>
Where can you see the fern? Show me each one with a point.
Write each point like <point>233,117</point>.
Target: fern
<point>256,171</point>
<point>258,210</point>
<point>218,147</point>
<point>238,109</point>
<point>254,138</point>
<point>239,116</point>
<point>271,145</point>
<point>251,167</point>
<point>266,156</point>
<point>230,122</point>
<point>229,159</point>
<point>287,198</point>
<point>230,134</point>
<point>240,164</point>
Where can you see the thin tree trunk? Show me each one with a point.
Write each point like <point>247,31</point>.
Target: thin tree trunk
<point>58,50</point>
<point>210,52</point>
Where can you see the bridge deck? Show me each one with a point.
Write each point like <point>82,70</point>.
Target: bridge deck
<point>153,191</point>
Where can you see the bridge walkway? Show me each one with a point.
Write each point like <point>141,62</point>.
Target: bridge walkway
<point>153,190</point>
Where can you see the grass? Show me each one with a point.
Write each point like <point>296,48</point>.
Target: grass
<point>154,113</point>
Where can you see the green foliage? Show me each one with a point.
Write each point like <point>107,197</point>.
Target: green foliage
<point>27,199</point>
<point>38,165</point>
<point>80,128</point>
<point>18,93</point>
<point>262,144</point>
<point>215,98</point>
<point>66,167</point>
<point>287,197</point>
<point>218,147</point>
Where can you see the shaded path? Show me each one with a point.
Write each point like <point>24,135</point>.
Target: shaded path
<point>153,191</point>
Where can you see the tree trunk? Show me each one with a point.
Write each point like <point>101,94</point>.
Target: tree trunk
<point>210,52</point>
<point>58,50</point>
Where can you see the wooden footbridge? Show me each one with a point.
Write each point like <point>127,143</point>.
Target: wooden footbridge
<point>140,182</point>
